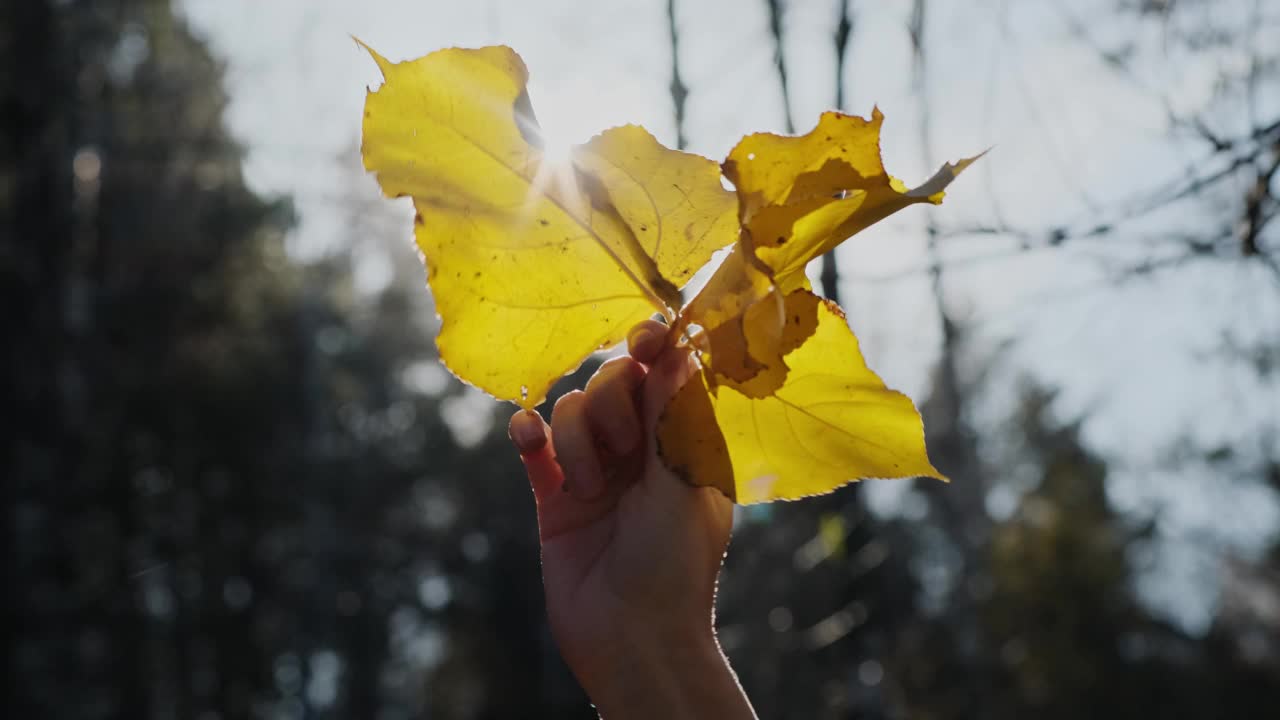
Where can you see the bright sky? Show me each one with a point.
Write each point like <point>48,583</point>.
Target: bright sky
<point>1073,142</point>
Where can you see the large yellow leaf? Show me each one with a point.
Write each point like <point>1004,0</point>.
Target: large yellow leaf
<point>672,201</point>
<point>533,266</point>
<point>831,422</point>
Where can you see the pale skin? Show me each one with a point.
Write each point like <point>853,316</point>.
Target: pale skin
<point>630,553</point>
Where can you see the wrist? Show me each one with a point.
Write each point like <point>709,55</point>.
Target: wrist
<point>662,675</point>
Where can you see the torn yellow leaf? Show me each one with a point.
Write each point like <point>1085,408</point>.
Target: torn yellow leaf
<point>534,265</point>
<point>774,327</point>
<point>831,422</point>
<point>801,196</point>
<point>737,284</point>
<point>798,197</point>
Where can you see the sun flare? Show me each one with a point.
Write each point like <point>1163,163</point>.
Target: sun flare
<point>557,148</point>
<point>554,176</point>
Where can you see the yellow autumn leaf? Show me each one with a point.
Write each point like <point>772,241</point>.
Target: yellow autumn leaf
<point>798,197</point>
<point>831,422</point>
<point>736,285</point>
<point>534,265</point>
<point>801,196</point>
<point>672,201</point>
<point>747,337</point>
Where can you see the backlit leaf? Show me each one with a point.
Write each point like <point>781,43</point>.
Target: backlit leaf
<point>737,284</point>
<point>831,422</point>
<point>672,201</point>
<point>533,265</point>
<point>798,197</point>
<point>801,196</point>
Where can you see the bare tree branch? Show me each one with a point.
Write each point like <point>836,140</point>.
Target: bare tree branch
<point>829,276</point>
<point>844,26</point>
<point>1259,207</point>
<point>780,61</point>
<point>679,92</point>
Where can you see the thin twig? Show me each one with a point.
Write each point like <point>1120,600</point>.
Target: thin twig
<point>679,92</point>
<point>780,62</point>
<point>829,276</point>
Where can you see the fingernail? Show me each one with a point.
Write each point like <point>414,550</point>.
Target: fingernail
<point>528,434</point>
<point>639,336</point>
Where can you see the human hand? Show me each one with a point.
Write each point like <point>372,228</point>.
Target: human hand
<point>630,553</point>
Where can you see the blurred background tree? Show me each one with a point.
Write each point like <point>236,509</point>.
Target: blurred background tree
<point>238,484</point>
<point>233,488</point>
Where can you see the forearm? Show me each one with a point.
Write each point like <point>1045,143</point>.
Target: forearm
<point>689,678</point>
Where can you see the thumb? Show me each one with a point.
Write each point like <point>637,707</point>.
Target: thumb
<point>666,376</point>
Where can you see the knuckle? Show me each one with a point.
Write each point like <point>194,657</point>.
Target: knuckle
<point>612,371</point>
<point>603,415</point>
<point>653,325</point>
<point>614,363</point>
<point>567,411</point>
<point>567,402</point>
<point>607,395</point>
